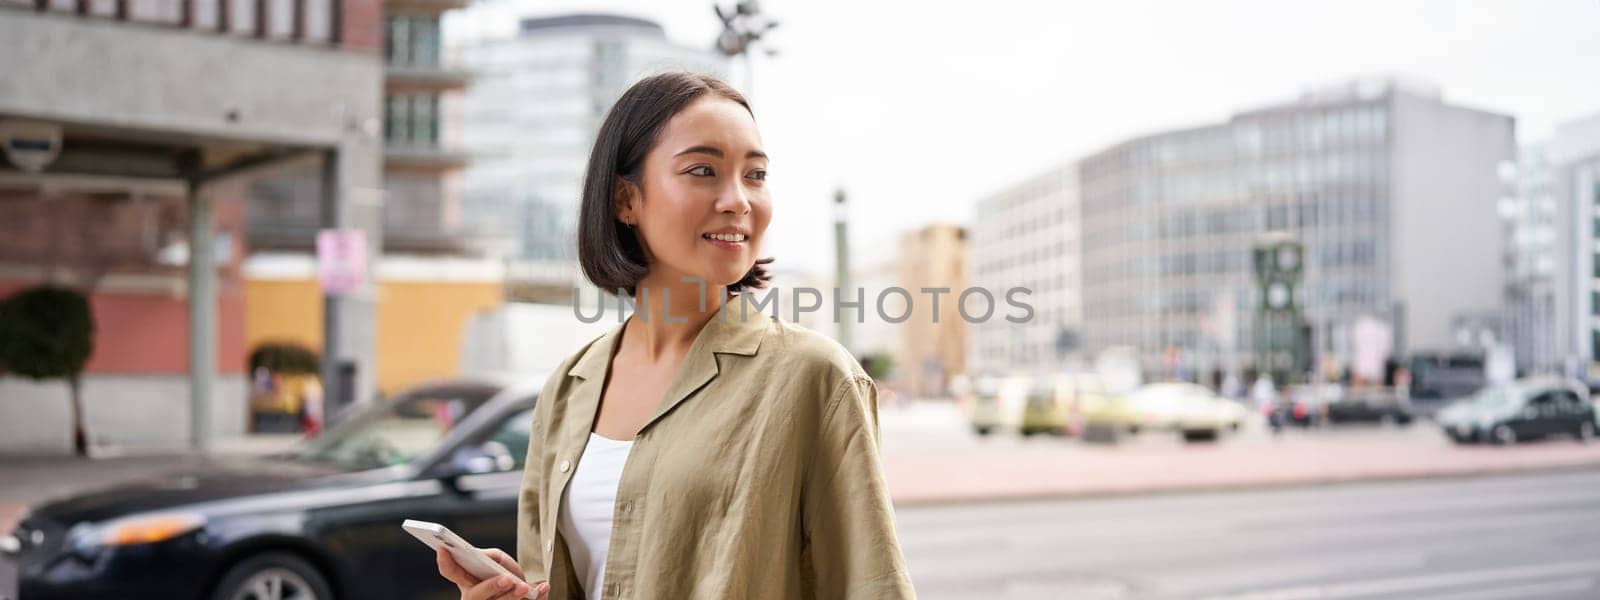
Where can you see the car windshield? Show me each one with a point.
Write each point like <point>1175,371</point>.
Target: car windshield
<point>1496,397</point>
<point>395,432</point>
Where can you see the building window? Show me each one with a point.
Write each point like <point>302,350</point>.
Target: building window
<point>412,119</point>
<point>412,40</point>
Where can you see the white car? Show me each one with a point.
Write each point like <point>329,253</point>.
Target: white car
<point>1190,409</point>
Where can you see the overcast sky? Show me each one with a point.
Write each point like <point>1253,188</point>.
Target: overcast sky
<point>918,111</point>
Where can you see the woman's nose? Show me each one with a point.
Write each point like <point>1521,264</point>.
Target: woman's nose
<point>734,199</point>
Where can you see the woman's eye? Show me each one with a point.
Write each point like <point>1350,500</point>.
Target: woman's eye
<point>760,175</point>
<point>701,171</point>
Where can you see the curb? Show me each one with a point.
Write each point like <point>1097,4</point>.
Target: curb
<point>1218,488</point>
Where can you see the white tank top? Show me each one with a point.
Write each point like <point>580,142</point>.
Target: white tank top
<point>586,509</point>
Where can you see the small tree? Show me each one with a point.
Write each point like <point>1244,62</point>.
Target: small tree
<point>47,332</point>
<point>285,357</point>
<point>877,365</point>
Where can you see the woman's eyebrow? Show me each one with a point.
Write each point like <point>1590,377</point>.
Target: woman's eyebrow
<point>717,152</point>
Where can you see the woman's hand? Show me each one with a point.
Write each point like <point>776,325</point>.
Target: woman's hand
<point>500,587</point>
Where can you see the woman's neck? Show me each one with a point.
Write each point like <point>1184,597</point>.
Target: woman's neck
<point>670,314</point>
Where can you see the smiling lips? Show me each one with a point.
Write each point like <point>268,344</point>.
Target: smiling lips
<point>725,240</point>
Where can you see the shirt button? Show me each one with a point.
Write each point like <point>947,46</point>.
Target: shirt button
<point>548,544</point>
<point>565,464</point>
<point>627,508</point>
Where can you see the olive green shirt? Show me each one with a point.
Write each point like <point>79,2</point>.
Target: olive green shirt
<point>758,475</point>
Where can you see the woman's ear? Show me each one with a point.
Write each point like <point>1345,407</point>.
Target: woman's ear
<point>624,201</point>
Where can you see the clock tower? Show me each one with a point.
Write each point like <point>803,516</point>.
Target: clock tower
<point>1281,338</point>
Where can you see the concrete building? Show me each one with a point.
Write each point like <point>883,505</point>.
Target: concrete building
<point>532,113</point>
<point>436,269</point>
<point>132,130</point>
<point>1532,256</point>
<point>422,157</point>
<point>1393,192</point>
<point>933,341</point>
<point>1028,235</point>
<point>1574,158</point>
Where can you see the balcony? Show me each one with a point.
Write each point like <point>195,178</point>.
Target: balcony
<point>405,157</point>
<point>424,79</point>
<point>424,6</point>
<point>274,71</point>
<point>299,21</point>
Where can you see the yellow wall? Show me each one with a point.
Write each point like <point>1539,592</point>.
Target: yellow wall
<point>419,323</point>
<point>420,326</point>
<point>283,310</point>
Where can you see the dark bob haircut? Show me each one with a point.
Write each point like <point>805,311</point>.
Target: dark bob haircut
<point>608,250</point>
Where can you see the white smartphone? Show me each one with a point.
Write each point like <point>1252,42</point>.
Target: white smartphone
<point>475,561</point>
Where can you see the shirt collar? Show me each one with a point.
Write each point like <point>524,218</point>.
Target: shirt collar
<point>737,328</point>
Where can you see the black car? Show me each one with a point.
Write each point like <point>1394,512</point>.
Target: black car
<point>317,523</point>
<point>1334,405</point>
<point>1526,409</point>
<point>1370,409</point>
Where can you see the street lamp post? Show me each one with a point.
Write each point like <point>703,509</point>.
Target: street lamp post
<point>742,28</point>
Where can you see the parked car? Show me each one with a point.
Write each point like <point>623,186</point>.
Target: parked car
<point>1305,403</point>
<point>1441,378</point>
<point>996,403</point>
<point>1058,404</point>
<point>1525,409</point>
<point>318,523</point>
<point>1109,413</point>
<point>1043,409</point>
<point>1192,410</point>
<point>1375,406</point>
<point>1332,404</point>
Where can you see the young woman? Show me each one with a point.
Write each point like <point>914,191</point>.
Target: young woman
<point>701,449</point>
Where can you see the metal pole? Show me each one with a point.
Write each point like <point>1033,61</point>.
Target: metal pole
<point>841,252</point>
<point>202,318</point>
<point>333,344</point>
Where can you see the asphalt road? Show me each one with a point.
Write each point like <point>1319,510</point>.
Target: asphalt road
<point>1514,536</point>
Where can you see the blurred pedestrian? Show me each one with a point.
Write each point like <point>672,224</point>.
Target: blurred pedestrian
<point>1232,387</point>
<point>311,416</point>
<point>1266,399</point>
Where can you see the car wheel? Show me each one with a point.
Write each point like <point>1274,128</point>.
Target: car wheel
<point>1503,435</point>
<point>981,430</point>
<point>1200,435</point>
<point>1386,420</point>
<point>273,576</point>
<point>1586,432</point>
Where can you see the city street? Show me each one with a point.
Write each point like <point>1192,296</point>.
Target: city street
<point>1501,537</point>
<point>931,455</point>
<point>1299,515</point>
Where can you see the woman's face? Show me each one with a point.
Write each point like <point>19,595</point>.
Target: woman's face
<point>701,203</point>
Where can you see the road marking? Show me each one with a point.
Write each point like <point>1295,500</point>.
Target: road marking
<point>1416,583</point>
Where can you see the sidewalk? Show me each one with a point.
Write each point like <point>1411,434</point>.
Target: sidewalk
<point>1062,468</point>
